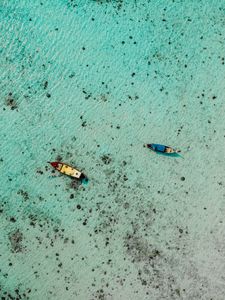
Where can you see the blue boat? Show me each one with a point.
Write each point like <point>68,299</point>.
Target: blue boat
<point>161,148</point>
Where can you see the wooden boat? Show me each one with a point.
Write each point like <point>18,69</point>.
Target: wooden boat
<point>162,149</point>
<point>67,170</point>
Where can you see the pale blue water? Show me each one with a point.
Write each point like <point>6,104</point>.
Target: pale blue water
<point>91,82</point>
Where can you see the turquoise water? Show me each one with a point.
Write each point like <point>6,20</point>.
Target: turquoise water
<point>90,82</point>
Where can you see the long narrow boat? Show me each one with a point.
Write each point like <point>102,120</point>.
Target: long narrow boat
<point>67,170</point>
<point>162,149</point>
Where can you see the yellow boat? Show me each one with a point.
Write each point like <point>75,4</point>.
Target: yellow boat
<point>67,170</point>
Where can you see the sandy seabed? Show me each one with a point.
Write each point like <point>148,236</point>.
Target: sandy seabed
<point>89,82</point>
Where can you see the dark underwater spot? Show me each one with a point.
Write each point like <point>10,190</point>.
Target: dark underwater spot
<point>126,205</point>
<point>125,178</point>
<point>40,172</point>
<point>75,184</point>
<point>11,102</point>
<point>45,85</point>
<point>139,249</point>
<point>16,238</point>
<point>117,4</point>
<point>24,194</point>
<point>71,4</point>
<point>16,294</point>
<point>100,295</point>
<point>58,158</point>
<point>12,219</point>
<point>103,98</point>
<point>72,75</point>
<point>106,159</point>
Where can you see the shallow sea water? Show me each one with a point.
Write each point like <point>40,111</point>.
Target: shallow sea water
<point>90,82</point>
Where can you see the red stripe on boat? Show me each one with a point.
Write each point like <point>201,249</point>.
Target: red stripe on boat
<point>54,164</point>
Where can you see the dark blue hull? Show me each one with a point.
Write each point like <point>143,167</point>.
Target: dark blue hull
<point>161,148</point>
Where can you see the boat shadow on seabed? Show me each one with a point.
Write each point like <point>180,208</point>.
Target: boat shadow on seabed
<point>171,155</point>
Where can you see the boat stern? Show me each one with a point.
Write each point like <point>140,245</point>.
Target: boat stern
<point>83,178</point>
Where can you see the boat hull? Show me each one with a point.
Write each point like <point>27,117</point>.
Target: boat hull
<point>67,170</point>
<point>161,148</point>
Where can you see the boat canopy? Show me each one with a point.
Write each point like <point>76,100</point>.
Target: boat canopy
<point>158,147</point>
